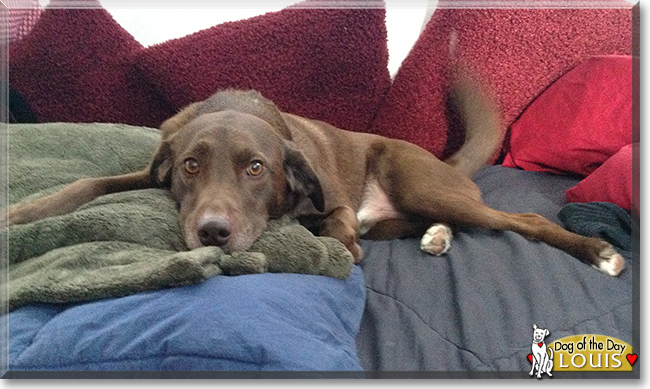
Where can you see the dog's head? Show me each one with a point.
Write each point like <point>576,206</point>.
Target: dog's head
<point>539,334</point>
<point>230,164</point>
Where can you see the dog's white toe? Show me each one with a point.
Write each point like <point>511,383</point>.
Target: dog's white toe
<point>437,239</point>
<point>612,263</point>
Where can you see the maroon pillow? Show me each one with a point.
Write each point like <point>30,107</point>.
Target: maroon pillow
<point>19,21</point>
<point>517,52</point>
<point>578,122</point>
<point>75,66</point>
<point>327,64</point>
<point>611,182</point>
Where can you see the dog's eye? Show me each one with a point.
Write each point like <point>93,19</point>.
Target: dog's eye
<point>255,168</point>
<point>192,166</point>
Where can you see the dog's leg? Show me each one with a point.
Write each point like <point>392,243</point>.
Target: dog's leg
<point>74,195</point>
<point>549,363</point>
<point>342,224</point>
<point>435,191</point>
<point>595,252</point>
<point>542,363</point>
<point>532,369</point>
<point>437,239</point>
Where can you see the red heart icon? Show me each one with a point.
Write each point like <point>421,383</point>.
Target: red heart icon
<point>530,358</point>
<point>540,344</point>
<point>631,358</point>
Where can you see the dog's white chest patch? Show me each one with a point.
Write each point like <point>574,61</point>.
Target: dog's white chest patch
<point>375,207</point>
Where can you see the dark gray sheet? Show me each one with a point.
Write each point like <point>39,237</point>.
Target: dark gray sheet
<point>473,308</point>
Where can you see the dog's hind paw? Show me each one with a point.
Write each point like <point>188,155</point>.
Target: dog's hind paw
<point>611,262</point>
<point>437,239</point>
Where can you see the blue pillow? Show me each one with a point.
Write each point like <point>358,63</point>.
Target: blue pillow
<point>256,322</point>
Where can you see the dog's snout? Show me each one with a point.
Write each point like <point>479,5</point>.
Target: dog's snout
<point>214,231</point>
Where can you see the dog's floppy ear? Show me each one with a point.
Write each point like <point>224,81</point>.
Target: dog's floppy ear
<point>160,168</point>
<point>174,123</point>
<point>301,178</point>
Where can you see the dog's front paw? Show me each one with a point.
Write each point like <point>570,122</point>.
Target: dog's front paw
<point>437,239</point>
<point>610,262</point>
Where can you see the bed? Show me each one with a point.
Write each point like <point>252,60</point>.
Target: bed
<point>400,313</point>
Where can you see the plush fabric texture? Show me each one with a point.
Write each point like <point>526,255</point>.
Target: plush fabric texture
<point>127,242</point>
<point>75,66</point>
<point>611,182</point>
<point>18,21</point>
<point>580,121</point>
<point>601,220</point>
<point>255,322</point>
<point>327,64</point>
<point>517,52</point>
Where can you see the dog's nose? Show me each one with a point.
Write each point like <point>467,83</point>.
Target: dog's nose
<point>214,231</point>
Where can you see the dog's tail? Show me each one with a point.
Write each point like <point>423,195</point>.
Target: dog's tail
<point>481,119</point>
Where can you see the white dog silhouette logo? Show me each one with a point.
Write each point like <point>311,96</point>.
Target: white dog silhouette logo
<point>541,358</point>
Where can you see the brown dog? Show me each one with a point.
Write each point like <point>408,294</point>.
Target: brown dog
<point>234,161</point>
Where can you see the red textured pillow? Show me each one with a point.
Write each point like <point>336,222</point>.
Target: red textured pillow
<point>611,182</point>
<point>579,122</point>
<point>517,52</point>
<point>75,66</point>
<point>327,64</point>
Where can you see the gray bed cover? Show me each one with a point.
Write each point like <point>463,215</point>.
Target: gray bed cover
<point>473,308</point>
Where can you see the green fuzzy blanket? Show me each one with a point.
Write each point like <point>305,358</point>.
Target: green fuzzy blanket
<point>127,242</point>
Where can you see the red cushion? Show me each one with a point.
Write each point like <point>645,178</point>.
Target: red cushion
<point>327,64</point>
<point>518,52</point>
<point>74,67</point>
<point>19,21</point>
<point>611,182</point>
<point>581,120</point>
